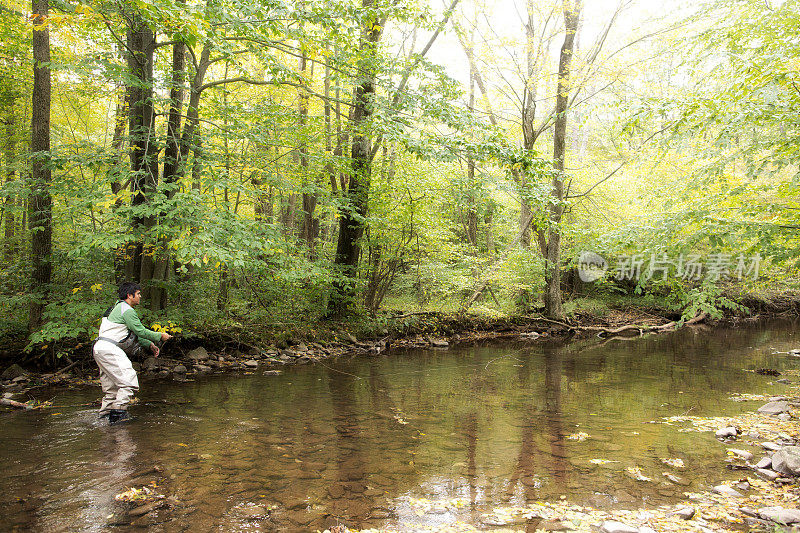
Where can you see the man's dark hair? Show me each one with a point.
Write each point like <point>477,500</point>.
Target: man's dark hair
<point>128,288</point>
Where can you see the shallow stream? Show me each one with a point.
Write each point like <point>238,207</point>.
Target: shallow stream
<point>408,440</point>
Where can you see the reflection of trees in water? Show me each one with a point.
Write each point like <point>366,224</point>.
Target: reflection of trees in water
<point>348,504</point>
<point>533,463</point>
<point>363,450</point>
<point>471,434</point>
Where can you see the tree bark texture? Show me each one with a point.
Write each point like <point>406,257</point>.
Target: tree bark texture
<point>40,204</point>
<point>144,151</point>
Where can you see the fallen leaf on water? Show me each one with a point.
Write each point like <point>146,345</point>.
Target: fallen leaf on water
<point>636,473</point>
<point>579,436</point>
<point>675,463</point>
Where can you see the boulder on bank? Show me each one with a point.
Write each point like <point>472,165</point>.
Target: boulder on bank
<point>14,371</point>
<point>198,354</point>
<point>724,433</point>
<point>686,513</point>
<point>787,460</point>
<point>765,462</point>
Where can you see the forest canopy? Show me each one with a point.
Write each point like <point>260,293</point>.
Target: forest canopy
<point>259,163</point>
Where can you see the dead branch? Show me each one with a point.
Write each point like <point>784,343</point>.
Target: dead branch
<point>12,403</point>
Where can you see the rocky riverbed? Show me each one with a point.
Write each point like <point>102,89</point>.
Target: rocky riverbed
<point>757,487</point>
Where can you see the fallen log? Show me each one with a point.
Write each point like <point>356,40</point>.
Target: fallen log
<point>12,403</point>
<point>613,332</point>
<point>66,368</point>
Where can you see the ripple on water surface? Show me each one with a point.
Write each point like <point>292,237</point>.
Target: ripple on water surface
<point>412,439</point>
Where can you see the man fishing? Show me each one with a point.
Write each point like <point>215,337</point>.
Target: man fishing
<point>121,332</point>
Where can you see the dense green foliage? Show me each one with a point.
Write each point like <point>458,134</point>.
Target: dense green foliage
<point>681,140</point>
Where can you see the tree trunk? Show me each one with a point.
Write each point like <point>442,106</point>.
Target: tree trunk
<point>115,176</point>
<point>471,224</point>
<point>172,169</point>
<point>310,227</point>
<point>552,296</point>
<point>41,204</point>
<point>9,204</point>
<point>353,215</point>
<point>144,151</point>
<point>488,220</point>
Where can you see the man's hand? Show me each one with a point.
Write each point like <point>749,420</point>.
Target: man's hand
<point>155,350</point>
<point>165,336</point>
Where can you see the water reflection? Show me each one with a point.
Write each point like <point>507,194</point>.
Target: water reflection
<point>360,440</point>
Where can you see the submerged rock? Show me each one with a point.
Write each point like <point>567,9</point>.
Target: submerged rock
<point>787,460</point>
<point>151,363</point>
<point>179,369</point>
<point>744,454</point>
<point>774,408</point>
<point>255,513</point>
<point>771,446</point>
<point>612,526</point>
<point>780,515</point>
<point>727,491</point>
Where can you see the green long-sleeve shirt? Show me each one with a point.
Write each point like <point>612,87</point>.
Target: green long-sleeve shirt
<point>122,319</point>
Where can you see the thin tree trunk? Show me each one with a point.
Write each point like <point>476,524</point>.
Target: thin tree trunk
<point>10,156</point>
<point>115,175</point>
<point>488,220</point>
<point>310,228</point>
<point>552,296</point>
<point>472,207</point>
<point>41,203</point>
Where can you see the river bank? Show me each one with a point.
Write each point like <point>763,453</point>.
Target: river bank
<point>241,350</point>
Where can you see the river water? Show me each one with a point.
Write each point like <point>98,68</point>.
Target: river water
<point>413,439</point>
